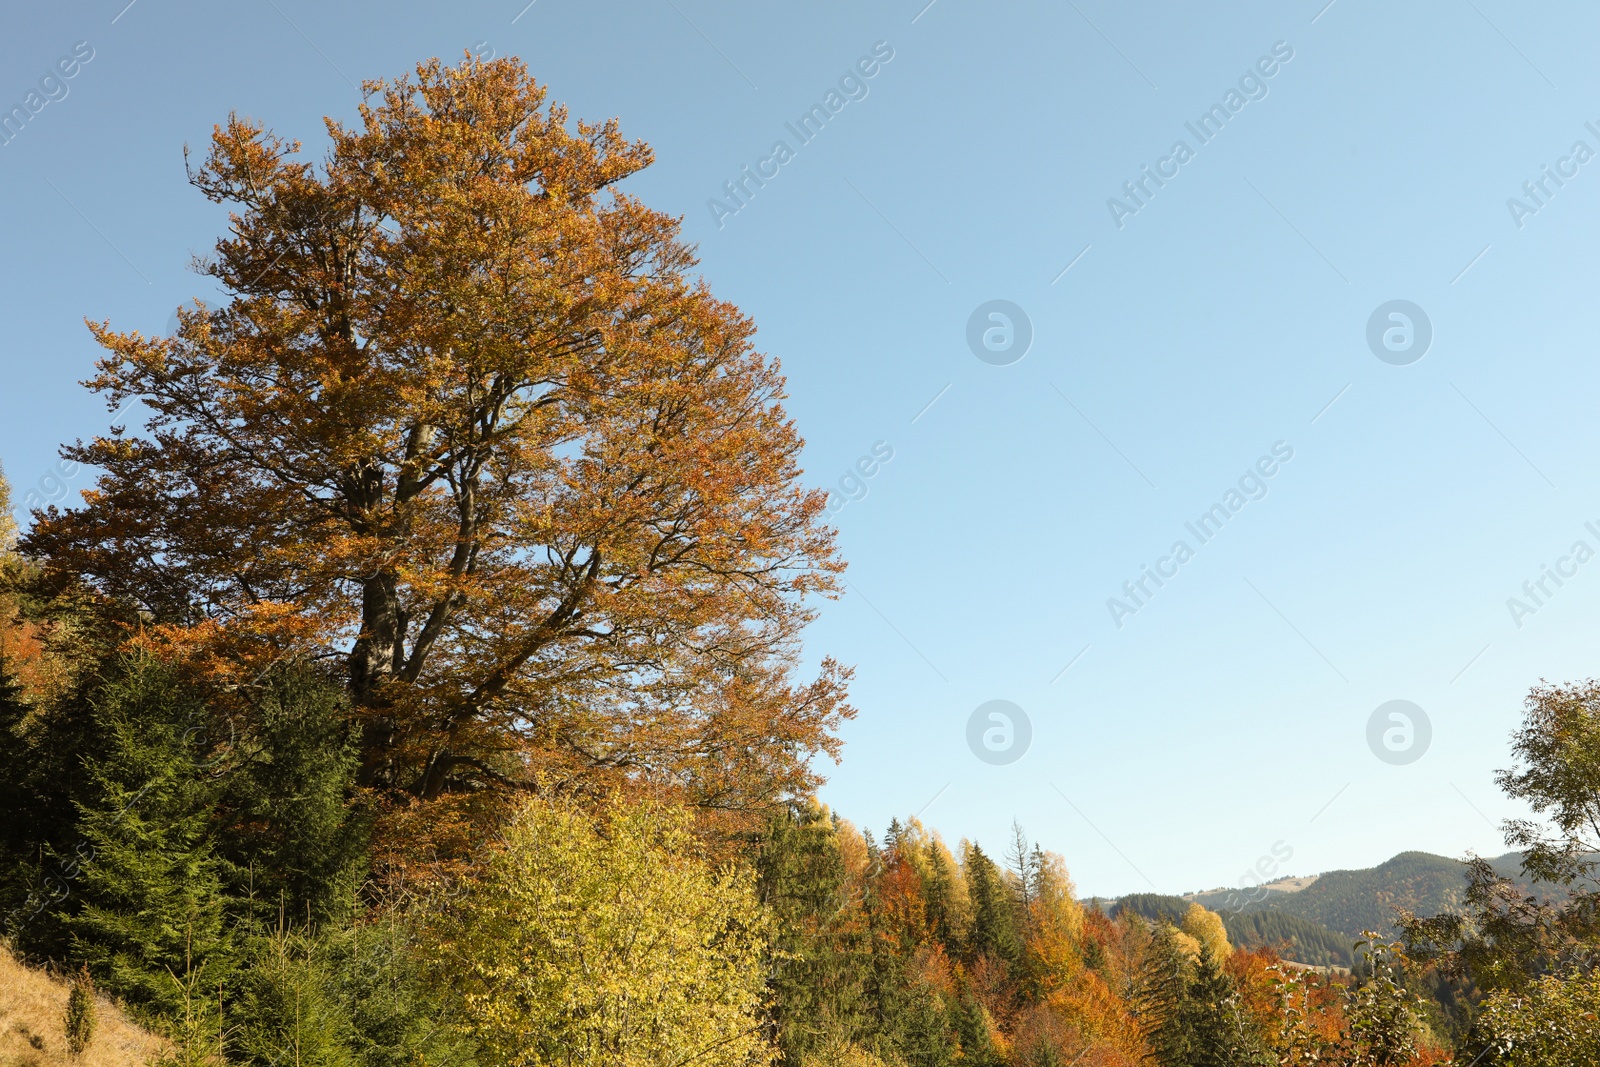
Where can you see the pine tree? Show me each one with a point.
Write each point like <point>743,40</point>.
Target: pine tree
<point>288,1011</point>
<point>80,1021</point>
<point>291,833</point>
<point>147,916</point>
<point>821,970</point>
<point>994,914</point>
<point>945,916</point>
<point>972,1027</point>
<point>1219,1033</point>
<point>1162,1000</point>
<point>18,828</point>
<point>1019,861</point>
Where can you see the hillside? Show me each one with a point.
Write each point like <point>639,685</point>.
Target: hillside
<point>1320,917</point>
<point>1348,902</point>
<point>32,1013</point>
<point>1300,940</point>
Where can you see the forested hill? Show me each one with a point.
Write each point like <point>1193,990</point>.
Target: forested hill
<point>1319,923</point>
<point>1297,939</point>
<point>1348,902</point>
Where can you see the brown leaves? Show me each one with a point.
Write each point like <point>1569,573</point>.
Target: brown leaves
<point>466,421</point>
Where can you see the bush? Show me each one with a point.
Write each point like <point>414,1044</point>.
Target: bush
<point>80,1012</point>
<point>606,940</point>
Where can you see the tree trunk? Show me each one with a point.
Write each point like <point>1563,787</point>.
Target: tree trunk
<point>378,654</point>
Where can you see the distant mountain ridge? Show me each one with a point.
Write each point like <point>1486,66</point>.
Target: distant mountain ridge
<point>1317,921</point>
<point>1350,901</point>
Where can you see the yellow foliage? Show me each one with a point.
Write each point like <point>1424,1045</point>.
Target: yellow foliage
<point>1205,927</point>
<point>8,522</point>
<point>843,1055</point>
<point>1188,945</point>
<point>605,941</point>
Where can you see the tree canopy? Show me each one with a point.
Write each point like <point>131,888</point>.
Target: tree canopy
<point>467,420</point>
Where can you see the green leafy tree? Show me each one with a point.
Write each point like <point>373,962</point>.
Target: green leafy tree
<point>1384,1021</point>
<point>1506,937</point>
<point>1553,1022</point>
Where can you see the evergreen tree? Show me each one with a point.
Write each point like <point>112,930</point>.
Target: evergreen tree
<point>289,830</point>
<point>1162,999</point>
<point>994,915</point>
<point>821,969</point>
<point>19,827</point>
<point>147,916</point>
<point>972,1027</point>
<point>377,972</point>
<point>1020,863</point>
<point>49,752</point>
<point>1220,1033</point>
<point>945,917</point>
<point>288,1011</point>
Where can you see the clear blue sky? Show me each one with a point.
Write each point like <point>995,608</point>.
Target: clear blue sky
<point>1219,319</point>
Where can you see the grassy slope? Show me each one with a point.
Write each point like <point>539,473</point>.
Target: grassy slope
<point>33,1009</point>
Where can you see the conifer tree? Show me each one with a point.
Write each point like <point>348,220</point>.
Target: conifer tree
<point>16,800</point>
<point>147,913</point>
<point>947,912</point>
<point>1220,1034</point>
<point>288,1011</point>
<point>820,970</point>
<point>1162,999</point>
<point>291,832</point>
<point>994,916</point>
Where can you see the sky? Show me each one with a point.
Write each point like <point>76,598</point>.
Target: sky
<point>1346,312</point>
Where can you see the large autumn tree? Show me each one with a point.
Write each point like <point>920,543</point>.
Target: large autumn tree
<point>468,420</point>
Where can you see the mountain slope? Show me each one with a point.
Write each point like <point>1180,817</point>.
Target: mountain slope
<point>1348,902</point>
<point>1297,939</point>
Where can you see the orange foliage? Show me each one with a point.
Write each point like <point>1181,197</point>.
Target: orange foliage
<point>468,421</point>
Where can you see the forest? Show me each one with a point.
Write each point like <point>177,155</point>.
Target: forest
<point>420,684</point>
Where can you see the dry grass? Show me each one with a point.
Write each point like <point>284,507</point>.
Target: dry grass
<point>33,1009</point>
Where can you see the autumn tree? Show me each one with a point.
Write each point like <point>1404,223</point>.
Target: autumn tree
<point>8,522</point>
<point>605,942</point>
<point>468,420</point>
<point>1205,926</point>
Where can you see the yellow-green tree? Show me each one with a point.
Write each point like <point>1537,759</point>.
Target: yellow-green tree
<point>1554,1022</point>
<point>605,940</point>
<point>8,522</point>
<point>1205,926</point>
